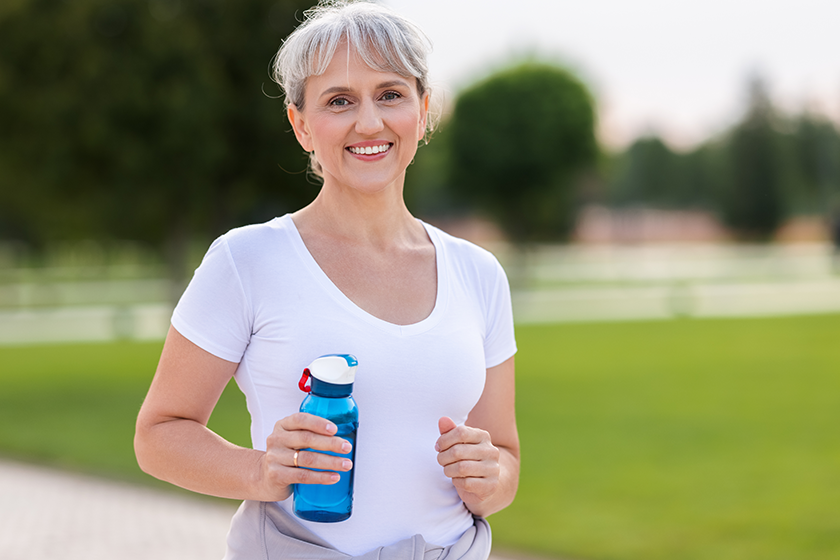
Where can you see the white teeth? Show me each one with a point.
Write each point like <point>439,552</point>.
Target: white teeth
<point>370,150</point>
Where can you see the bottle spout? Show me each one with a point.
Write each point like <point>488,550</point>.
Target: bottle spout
<point>338,369</point>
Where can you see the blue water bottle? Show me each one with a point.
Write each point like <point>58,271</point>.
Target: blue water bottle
<point>331,384</point>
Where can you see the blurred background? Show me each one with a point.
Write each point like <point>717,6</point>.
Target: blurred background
<point>660,180</point>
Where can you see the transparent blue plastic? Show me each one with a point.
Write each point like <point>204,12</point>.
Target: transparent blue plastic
<point>331,502</point>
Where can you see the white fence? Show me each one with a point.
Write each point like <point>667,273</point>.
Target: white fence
<point>679,300</point>
<point>551,284</point>
<point>41,310</point>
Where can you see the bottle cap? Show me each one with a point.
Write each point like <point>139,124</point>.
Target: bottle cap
<point>338,369</point>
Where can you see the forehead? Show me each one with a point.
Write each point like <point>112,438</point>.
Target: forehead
<point>348,68</point>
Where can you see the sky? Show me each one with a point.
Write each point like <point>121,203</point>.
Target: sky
<point>677,68</point>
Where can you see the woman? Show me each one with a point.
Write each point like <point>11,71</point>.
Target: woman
<point>427,315</point>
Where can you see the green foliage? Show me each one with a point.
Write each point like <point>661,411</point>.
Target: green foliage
<point>427,191</point>
<point>690,439</point>
<point>753,203</point>
<point>652,174</point>
<point>765,168</point>
<point>518,141</point>
<point>143,119</point>
<point>814,144</point>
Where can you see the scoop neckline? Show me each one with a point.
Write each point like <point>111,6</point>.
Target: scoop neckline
<point>312,266</point>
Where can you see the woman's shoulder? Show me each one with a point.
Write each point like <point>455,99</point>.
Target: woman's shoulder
<point>256,233</point>
<point>250,246</point>
<point>246,239</point>
<point>462,252</point>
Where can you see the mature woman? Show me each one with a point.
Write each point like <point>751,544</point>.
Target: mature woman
<point>427,315</point>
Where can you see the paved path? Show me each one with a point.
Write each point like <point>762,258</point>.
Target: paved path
<point>47,514</point>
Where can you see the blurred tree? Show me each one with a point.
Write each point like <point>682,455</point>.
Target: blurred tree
<point>143,119</point>
<point>766,167</point>
<point>702,171</point>
<point>518,141</point>
<point>649,173</point>
<point>427,191</point>
<point>753,203</point>
<point>816,147</point>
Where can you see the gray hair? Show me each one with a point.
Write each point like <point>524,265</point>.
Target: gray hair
<point>385,40</point>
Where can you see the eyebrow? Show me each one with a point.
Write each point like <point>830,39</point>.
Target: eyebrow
<point>345,89</point>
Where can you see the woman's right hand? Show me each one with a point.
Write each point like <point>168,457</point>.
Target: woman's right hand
<point>295,433</point>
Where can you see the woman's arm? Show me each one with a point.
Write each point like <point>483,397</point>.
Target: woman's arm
<point>482,456</point>
<point>172,441</point>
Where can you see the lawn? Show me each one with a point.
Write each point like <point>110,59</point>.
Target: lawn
<point>680,440</point>
<point>74,406</point>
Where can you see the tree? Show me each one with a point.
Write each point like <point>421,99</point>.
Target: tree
<point>518,141</point>
<point>649,174</point>
<point>816,153</point>
<point>753,203</point>
<point>143,119</point>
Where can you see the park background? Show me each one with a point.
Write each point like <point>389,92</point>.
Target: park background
<point>675,290</point>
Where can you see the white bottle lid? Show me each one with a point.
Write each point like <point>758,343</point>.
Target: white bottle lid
<point>338,369</point>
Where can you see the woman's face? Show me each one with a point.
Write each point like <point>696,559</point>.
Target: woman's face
<point>363,124</point>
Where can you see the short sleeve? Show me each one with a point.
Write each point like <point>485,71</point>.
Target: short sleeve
<point>214,311</point>
<point>499,340</point>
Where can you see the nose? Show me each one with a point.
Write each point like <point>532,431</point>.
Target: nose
<point>369,119</point>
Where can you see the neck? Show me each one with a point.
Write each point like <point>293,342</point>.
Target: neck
<point>378,218</point>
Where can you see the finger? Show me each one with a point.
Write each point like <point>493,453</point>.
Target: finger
<point>301,430</point>
<point>308,422</point>
<point>282,473</point>
<point>478,487</point>
<point>307,476</point>
<point>283,445</point>
<point>469,452</point>
<point>461,434</point>
<point>301,439</point>
<point>468,469</point>
<point>446,424</point>
<point>322,461</point>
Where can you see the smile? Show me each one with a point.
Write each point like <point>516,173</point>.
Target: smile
<point>370,150</point>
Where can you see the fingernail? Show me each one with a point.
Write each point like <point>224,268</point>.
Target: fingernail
<point>437,447</point>
<point>335,477</point>
<point>347,464</point>
<point>346,447</point>
<point>331,428</point>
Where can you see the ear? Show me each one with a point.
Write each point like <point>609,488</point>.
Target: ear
<point>424,114</point>
<point>300,127</point>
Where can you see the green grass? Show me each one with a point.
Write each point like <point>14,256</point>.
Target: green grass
<point>679,440</point>
<point>74,406</point>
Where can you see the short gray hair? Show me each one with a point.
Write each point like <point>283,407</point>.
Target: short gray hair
<point>385,40</point>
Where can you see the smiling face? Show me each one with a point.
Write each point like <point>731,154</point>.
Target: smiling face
<point>363,124</point>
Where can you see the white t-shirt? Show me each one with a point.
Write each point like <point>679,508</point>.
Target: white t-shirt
<point>260,299</point>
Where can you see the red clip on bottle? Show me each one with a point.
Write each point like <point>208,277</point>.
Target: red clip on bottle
<point>330,397</point>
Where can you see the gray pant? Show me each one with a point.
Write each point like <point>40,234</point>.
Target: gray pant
<point>265,531</point>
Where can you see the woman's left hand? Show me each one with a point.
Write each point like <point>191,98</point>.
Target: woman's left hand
<point>470,459</point>
<point>482,456</point>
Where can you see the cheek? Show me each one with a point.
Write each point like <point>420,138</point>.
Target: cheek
<point>325,132</point>
<point>409,126</point>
